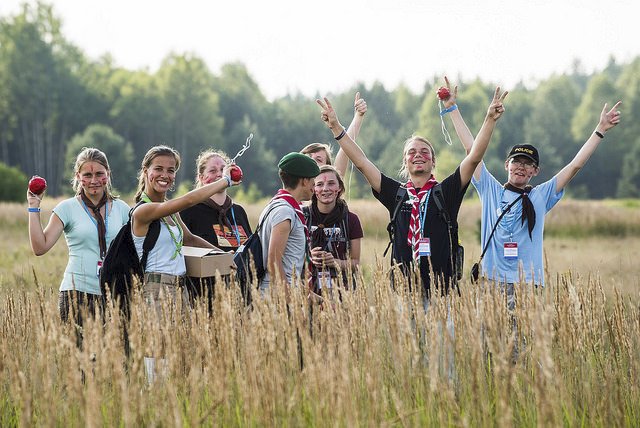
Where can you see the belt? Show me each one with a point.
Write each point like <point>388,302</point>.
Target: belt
<point>165,279</point>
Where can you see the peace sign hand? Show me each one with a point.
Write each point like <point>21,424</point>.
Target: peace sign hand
<point>496,108</point>
<point>328,115</point>
<point>609,119</point>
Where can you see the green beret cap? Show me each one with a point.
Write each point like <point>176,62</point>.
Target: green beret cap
<point>299,165</point>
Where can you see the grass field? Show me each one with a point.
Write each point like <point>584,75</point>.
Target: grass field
<point>374,358</point>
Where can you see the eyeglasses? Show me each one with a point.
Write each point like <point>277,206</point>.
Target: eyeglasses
<point>523,164</point>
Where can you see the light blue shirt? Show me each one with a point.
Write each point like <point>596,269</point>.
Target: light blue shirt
<point>81,233</point>
<point>529,265</point>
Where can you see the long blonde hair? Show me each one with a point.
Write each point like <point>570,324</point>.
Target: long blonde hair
<point>91,154</point>
<point>403,172</point>
<point>153,153</point>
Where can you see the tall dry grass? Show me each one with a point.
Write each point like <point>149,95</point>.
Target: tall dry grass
<point>374,358</point>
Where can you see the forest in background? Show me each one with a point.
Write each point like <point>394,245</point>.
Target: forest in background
<point>54,100</point>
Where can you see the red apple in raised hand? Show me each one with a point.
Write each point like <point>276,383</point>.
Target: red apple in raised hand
<point>37,185</point>
<point>443,93</point>
<point>236,173</point>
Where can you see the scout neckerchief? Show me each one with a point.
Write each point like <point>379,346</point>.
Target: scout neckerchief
<point>417,198</point>
<point>528,211</point>
<point>287,197</point>
<point>102,227</point>
<point>336,216</point>
<point>223,221</point>
<point>176,242</point>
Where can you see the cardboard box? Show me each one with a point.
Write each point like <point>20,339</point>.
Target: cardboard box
<point>204,262</point>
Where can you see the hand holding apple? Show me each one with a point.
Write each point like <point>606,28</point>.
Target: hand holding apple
<point>443,93</point>
<point>37,185</point>
<point>236,173</point>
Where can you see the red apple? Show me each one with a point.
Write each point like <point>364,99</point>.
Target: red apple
<point>443,93</point>
<point>236,173</point>
<point>37,185</point>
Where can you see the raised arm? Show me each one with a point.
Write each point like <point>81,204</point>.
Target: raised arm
<point>42,240</point>
<point>360,108</point>
<point>479,146</point>
<point>608,119</point>
<point>146,213</point>
<point>464,134</point>
<point>351,149</point>
<point>462,130</point>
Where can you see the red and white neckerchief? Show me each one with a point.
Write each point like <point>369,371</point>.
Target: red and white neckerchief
<point>287,197</point>
<point>415,228</point>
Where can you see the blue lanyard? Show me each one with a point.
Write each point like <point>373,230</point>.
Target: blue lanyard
<point>106,217</point>
<point>235,225</point>
<point>332,234</point>
<point>423,212</point>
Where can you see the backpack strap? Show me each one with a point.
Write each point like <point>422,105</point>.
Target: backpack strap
<point>149,242</point>
<point>274,205</point>
<point>391,227</point>
<point>150,239</point>
<point>306,210</point>
<point>438,198</point>
<point>345,230</point>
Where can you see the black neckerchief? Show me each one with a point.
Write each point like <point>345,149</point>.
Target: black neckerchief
<point>102,228</point>
<point>222,211</point>
<point>528,212</point>
<point>318,238</point>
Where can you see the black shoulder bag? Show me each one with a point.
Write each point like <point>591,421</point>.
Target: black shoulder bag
<point>249,261</point>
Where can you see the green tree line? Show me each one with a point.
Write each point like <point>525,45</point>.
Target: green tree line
<point>54,100</point>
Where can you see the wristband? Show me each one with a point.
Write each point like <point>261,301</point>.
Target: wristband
<point>226,177</point>
<point>33,209</point>
<point>448,110</point>
<point>599,134</point>
<point>344,131</point>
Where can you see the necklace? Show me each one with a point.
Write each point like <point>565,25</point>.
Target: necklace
<point>176,241</point>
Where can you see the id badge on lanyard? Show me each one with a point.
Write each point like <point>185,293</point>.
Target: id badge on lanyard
<point>424,244</point>
<point>324,279</point>
<point>98,268</point>
<point>424,247</point>
<point>511,250</point>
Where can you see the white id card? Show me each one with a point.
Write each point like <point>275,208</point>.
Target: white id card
<point>324,280</point>
<point>98,268</point>
<point>511,250</point>
<point>424,247</point>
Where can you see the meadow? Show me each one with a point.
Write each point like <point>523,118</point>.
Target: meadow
<point>375,357</point>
